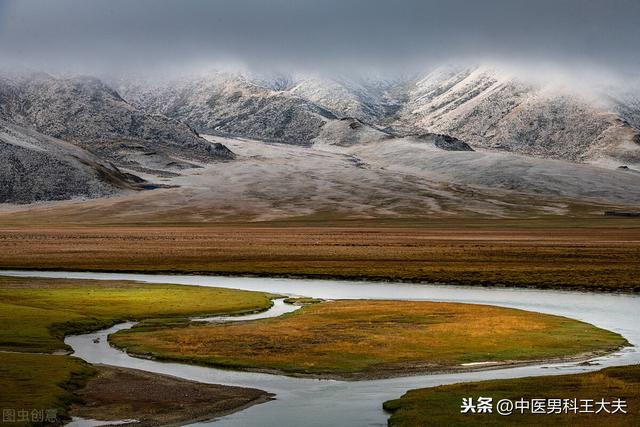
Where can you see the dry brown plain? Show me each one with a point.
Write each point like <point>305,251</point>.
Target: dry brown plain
<point>594,254</point>
<point>285,211</point>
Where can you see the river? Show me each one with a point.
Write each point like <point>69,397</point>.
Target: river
<point>312,402</point>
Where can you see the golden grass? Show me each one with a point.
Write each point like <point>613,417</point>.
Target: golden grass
<point>374,338</point>
<point>525,253</point>
<point>440,406</point>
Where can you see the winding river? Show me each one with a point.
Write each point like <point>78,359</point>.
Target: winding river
<point>312,402</point>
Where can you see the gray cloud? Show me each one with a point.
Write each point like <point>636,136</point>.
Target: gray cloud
<point>117,35</point>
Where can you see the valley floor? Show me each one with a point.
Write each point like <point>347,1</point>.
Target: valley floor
<point>153,399</point>
<point>400,210</point>
<point>589,254</point>
<point>37,374</point>
<point>38,312</point>
<point>392,179</point>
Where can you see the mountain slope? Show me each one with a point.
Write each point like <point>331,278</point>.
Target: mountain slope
<point>483,106</point>
<point>498,172</point>
<point>494,110</point>
<point>350,132</point>
<point>90,114</point>
<point>231,104</point>
<point>35,167</point>
<point>371,100</point>
<point>390,179</point>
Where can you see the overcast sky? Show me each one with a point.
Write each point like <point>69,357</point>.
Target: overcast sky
<point>305,35</point>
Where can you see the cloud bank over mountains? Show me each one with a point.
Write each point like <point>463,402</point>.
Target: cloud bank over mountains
<point>119,36</point>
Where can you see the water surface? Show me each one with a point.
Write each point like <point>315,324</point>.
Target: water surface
<point>312,402</point>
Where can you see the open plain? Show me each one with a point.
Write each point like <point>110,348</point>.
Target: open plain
<point>593,254</point>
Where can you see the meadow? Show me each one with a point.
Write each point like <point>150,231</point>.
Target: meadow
<point>40,382</point>
<point>36,314</point>
<point>369,339</point>
<point>442,405</point>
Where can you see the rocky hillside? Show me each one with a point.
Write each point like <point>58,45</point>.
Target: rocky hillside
<point>483,106</point>
<point>91,115</point>
<point>494,110</point>
<point>69,137</point>
<point>351,132</point>
<point>232,104</point>
<point>371,100</point>
<point>35,167</point>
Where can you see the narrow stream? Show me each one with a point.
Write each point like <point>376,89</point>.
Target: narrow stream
<point>278,308</point>
<point>312,402</point>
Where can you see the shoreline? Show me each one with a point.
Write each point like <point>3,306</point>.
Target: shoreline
<point>192,401</point>
<point>605,362</point>
<point>387,373</point>
<point>631,290</point>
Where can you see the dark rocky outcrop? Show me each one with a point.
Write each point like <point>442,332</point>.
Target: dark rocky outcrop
<point>449,143</point>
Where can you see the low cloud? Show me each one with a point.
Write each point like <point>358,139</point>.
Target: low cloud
<point>115,36</point>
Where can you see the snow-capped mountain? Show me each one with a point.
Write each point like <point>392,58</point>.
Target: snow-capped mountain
<point>232,104</point>
<point>483,106</point>
<point>91,115</point>
<point>367,99</point>
<point>35,167</point>
<point>427,127</point>
<point>494,110</point>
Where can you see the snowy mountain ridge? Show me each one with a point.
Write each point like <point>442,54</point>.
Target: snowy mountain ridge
<point>487,107</point>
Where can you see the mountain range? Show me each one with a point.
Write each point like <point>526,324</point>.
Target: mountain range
<point>69,137</point>
<point>482,106</point>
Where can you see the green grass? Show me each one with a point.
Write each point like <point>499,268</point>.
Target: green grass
<point>303,300</point>
<point>363,339</point>
<point>36,314</point>
<point>440,406</point>
<point>40,382</point>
